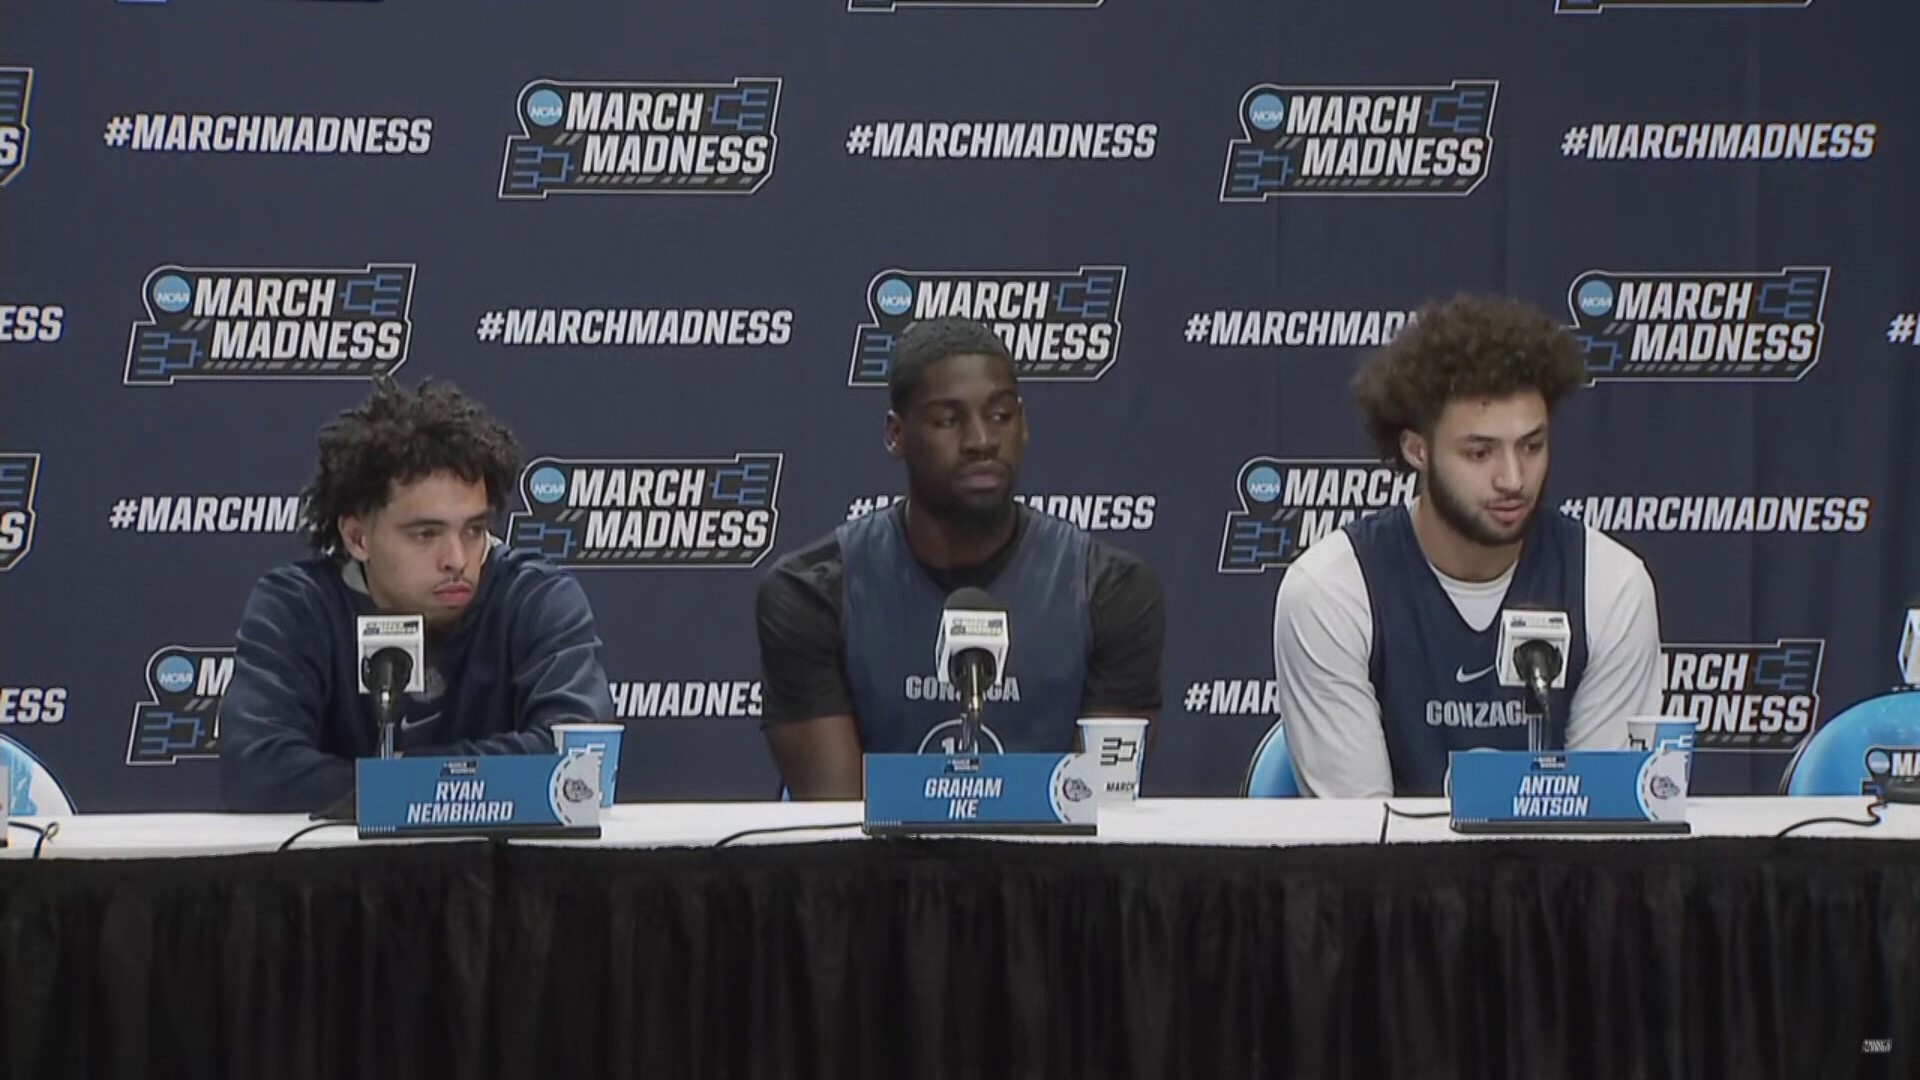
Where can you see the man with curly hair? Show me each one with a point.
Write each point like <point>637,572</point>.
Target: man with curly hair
<point>1384,633</point>
<point>397,515</point>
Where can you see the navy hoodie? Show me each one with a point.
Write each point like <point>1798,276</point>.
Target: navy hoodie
<point>523,657</point>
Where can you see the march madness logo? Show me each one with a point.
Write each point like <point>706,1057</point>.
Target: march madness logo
<point>642,138</point>
<point>1592,7</point>
<point>1745,697</point>
<point>1899,765</point>
<point>207,323</point>
<point>1060,325</point>
<point>1721,327</point>
<point>180,718</point>
<point>19,482</point>
<point>1361,140</point>
<point>636,514</point>
<point>16,94</point>
<point>1287,505</point>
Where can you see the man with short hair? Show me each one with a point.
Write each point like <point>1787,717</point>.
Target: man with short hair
<point>847,624</point>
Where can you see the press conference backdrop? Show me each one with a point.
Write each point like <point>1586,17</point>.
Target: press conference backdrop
<point>671,244</point>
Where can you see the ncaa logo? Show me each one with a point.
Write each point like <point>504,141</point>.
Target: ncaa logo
<point>895,297</point>
<point>174,674</point>
<point>172,294</point>
<point>1894,763</point>
<point>544,107</point>
<point>1267,112</point>
<point>547,485</point>
<point>1595,299</point>
<point>1263,484</point>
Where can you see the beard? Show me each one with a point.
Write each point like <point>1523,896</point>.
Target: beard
<point>971,518</point>
<point>978,516</point>
<point>1461,518</point>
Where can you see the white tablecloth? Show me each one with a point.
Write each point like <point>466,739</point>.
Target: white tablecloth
<point>1239,822</point>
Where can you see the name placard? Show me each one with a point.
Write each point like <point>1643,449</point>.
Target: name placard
<point>1625,791</point>
<point>491,795</point>
<point>983,793</point>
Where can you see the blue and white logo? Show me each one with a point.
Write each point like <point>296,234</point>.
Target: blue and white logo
<point>173,674</point>
<point>894,297</point>
<point>547,485</point>
<point>1060,325</point>
<point>1266,112</point>
<point>544,107</point>
<point>19,484</point>
<point>31,789</point>
<point>1285,505</point>
<point>220,323</point>
<point>1596,299</point>
<point>16,96</point>
<point>1263,484</point>
<point>655,513</point>
<point>179,720</point>
<point>1744,696</point>
<point>642,138</point>
<point>172,294</point>
<point>1701,326</point>
<point>1361,140</point>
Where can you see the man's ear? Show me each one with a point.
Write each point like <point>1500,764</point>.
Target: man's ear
<point>353,535</point>
<point>893,433</point>
<point>1413,449</point>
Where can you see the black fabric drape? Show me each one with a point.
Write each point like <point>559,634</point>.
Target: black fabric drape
<point>1712,958</point>
<point>307,965</point>
<point>1604,959</point>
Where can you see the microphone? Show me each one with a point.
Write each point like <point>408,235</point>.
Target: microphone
<point>387,672</point>
<point>1532,654</point>
<point>971,655</point>
<point>1538,663</point>
<point>390,651</point>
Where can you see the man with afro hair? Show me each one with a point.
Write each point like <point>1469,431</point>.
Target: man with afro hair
<point>1384,632</point>
<point>398,517</point>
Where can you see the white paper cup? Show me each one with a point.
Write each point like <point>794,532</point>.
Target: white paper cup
<point>1117,746</point>
<point>1671,733</point>
<point>600,739</point>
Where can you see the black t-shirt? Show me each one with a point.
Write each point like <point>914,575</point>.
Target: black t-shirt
<point>801,665</point>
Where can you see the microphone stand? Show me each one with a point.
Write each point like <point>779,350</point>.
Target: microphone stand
<point>1539,714</point>
<point>975,708</point>
<point>385,706</point>
<point>1539,663</point>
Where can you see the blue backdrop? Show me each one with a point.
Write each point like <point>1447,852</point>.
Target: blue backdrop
<point>682,233</point>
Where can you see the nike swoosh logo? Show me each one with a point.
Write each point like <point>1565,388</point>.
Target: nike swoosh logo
<point>410,724</point>
<point>1461,674</point>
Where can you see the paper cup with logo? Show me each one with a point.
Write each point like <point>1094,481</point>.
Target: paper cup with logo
<point>600,739</point>
<point>1671,733</point>
<point>1117,747</point>
<point>1653,732</point>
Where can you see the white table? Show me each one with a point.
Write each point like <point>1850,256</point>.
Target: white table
<point>1231,822</point>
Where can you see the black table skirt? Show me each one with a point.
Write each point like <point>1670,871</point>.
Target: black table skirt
<point>919,959</point>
